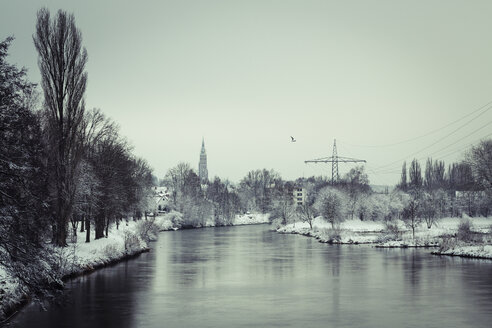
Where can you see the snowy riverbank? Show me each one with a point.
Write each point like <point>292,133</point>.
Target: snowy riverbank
<point>473,251</point>
<point>377,233</point>
<point>80,257</point>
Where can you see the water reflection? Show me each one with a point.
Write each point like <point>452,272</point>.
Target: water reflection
<point>250,276</point>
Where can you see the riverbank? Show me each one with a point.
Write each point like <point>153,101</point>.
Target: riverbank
<point>483,251</point>
<point>443,235</point>
<point>128,240</point>
<point>76,259</point>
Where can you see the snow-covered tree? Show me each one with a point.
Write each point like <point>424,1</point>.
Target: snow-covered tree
<point>332,205</point>
<point>63,78</point>
<point>355,183</point>
<point>24,216</point>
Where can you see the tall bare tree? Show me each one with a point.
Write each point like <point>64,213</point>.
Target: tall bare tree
<point>63,78</point>
<point>480,160</point>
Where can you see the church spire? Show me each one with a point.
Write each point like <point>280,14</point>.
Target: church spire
<point>202,165</point>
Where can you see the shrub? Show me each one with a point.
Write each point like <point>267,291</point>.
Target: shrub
<point>132,242</point>
<point>333,235</point>
<point>110,250</point>
<point>465,232</point>
<point>392,230</point>
<point>147,230</point>
<point>447,243</point>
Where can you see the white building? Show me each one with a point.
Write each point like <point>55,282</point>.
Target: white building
<point>160,199</point>
<point>299,195</point>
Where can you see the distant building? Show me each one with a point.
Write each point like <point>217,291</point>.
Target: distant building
<point>202,165</point>
<point>160,200</point>
<point>299,195</point>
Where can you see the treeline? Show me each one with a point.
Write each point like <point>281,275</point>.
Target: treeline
<point>425,196</point>
<point>219,200</point>
<point>463,187</point>
<point>61,166</point>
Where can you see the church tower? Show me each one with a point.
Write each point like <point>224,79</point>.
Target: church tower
<point>202,165</point>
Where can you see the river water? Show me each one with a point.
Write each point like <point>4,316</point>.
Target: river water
<point>248,276</point>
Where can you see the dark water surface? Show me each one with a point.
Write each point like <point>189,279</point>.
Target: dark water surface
<point>250,277</point>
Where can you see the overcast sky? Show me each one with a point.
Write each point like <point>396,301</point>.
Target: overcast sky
<point>246,75</point>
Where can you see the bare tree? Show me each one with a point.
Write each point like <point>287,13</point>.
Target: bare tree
<point>415,173</point>
<point>411,212</point>
<point>480,160</point>
<point>403,181</point>
<point>331,204</point>
<point>175,180</point>
<point>306,211</point>
<point>429,209</point>
<point>283,207</point>
<point>62,65</point>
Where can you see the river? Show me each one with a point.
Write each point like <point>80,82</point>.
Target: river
<point>248,276</point>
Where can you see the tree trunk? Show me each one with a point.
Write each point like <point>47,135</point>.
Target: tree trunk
<point>82,224</point>
<point>107,226</point>
<point>87,230</point>
<point>99,226</point>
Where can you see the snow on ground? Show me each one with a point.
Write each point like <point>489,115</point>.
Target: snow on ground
<point>122,242</point>
<point>11,292</point>
<point>374,232</point>
<point>477,251</point>
<point>251,218</point>
<point>348,232</point>
<point>80,257</point>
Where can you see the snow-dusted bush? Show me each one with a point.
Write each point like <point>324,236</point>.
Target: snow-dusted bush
<point>392,230</point>
<point>132,242</point>
<point>109,250</point>
<point>176,219</point>
<point>447,243</point>
<point>147,229</point>
<point>465,232</point>
<point>332,235</point>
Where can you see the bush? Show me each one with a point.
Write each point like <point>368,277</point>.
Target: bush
<point>132,242</point>
<point>110,250</point>
<point>465,232</point>
<point>392,230</point>
<point>333,235</point>
<point>147,230</point>
<point>447,243</point>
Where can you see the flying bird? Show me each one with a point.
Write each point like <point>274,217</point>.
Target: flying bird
<point>293,140</point>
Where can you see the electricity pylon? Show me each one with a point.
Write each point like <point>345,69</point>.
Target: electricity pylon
<point>334,160</point>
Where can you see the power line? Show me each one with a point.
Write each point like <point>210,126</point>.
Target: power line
<point>461,149</point>
<point>463,138</point>
<point>428,133</point>
<point>375,177</point>
<point>433,144</point>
